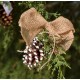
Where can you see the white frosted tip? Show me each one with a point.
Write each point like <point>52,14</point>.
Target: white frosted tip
<point>35,41</point>
<point>36,57</point>
<point>29,66</point>
<point>30,59</point>
<point>37,60</point>
<point>37,47</point>
<point>41,58</point>
<point>26,47</point>
<point>29,63</point>
<point>25,51</point>
<point>34,44</point>
<point>34,64</point>
<point>26,57</point>
<point>42,54</point>
<point>30,50</point>
<point>24,61</point>
<point>41,50</point>
<point>35,53</point>
<point>30,55</point>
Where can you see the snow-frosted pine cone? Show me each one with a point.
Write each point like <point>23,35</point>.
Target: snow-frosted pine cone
<point>33,55</point>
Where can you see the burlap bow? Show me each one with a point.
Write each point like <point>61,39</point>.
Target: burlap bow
<point>31,23</point>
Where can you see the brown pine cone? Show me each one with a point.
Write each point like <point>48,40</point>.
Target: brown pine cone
<point>33,55</point>
<point>5,20</point>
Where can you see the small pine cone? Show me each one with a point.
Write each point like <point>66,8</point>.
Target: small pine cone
<point>33,55</point>
<point>6,20</point>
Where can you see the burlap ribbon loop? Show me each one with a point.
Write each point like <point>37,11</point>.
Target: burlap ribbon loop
<point>31,23</point>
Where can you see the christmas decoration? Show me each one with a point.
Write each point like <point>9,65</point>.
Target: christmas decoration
<point>11,63</point>
<point>6,15</point>
<point>31,23</point>
<point>33,54</point>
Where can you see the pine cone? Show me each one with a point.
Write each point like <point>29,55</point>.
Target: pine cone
<point>5,20</point>
<point>33,54</point>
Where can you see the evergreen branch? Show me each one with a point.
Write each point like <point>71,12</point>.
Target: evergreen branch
<point>49,57</point>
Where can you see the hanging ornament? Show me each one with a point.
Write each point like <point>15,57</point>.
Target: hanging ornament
<point>33,54</point>
<point>5,13</point>
<point>60,30</point>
